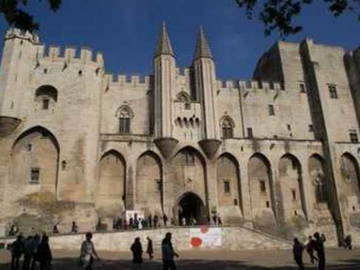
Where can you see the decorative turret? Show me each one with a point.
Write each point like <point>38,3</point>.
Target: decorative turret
<point>164,78</point>
<point>202,49</point>
<point>205,89</point>
<point>164,44</point>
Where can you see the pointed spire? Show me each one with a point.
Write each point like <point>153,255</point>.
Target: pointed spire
<point>164,44</point>
<point>202,46</point>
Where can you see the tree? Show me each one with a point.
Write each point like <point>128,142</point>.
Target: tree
<point>13,11</point>
<point>279,14</point>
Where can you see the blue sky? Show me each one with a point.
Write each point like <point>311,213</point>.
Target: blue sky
<point>126,31</point>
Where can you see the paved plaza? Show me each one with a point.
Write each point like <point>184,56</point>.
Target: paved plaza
<point>338,259</point>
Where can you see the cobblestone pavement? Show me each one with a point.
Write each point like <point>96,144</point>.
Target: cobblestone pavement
<point>337,259</point>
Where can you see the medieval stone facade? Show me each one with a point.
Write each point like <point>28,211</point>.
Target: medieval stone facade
<point>279,153</point>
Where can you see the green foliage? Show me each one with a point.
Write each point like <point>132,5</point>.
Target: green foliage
<point>16,16</point>
<point>279,14</point>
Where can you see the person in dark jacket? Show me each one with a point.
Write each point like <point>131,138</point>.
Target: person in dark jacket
<point>17,249</point>
<point>165,219</point>
<point>320,250</point>
<point>168,253</point>
<point>150,249</point>
<point>298,252</point>
<point>27,253</point>
<point>310,248</point>
<point>137,251</point>
<point>44,254</point>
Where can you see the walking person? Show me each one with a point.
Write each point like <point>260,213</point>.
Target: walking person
<point>165,219</point>
<point>74,227</point>
<point>156,220</point>
<point>150,250</point>
<point>348,242</point>
<point>298,252</point>
<point>34,246</point>
<point>27,253</point>
<point>320,250</point>
<point>44,254</point>
<point>150,221</point>
<point>137,251</point>
<point>168,253</point>
<point>310,247</point>
<point>88,252</point>
<point>17,249</point>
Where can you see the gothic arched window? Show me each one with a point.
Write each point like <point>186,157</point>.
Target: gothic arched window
<point>227,126</point>
<point>125,114</point>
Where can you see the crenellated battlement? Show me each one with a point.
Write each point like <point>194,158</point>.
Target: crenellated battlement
<point>122,80</point>
<point>69,54</point>
<point>249,85</point>
<point>24,35</point>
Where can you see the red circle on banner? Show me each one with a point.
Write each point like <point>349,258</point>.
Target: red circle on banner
<point>196,242</point>
<point>204,229</point>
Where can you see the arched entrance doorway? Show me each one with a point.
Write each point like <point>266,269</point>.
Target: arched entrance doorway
<point>191,207</point>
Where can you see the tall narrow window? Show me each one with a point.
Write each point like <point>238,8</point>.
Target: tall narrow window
<point>227,186</point>
<point>250,132</point>
<point>45,104</point>
<point>35,176</point>
<point>262,186</point>
<point>227,128</point>
<point>124,125</point>
<point>353,136</point>
<point>158,184</point>
<point>293,194</point>
<point>302,88</point>
<point>332,90</point>
<point>271,110</point>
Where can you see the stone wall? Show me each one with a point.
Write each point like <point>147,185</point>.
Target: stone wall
<point>232,239</point>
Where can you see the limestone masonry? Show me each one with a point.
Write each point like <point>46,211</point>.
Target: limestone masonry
<point>279,153</point>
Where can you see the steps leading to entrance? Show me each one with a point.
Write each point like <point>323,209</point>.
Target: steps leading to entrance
<point>231,238</point>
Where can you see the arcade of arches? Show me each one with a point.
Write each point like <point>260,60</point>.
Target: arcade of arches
<point>273,193</point>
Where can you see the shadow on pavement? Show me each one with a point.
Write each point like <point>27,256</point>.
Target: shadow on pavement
<point>72,264</point>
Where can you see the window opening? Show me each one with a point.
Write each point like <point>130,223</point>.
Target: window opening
<point>227,186</point>
<point>271,110</point>
<point>35,176</point>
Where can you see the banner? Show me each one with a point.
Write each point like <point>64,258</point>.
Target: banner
<point>133,214</point>
<point>205,237</point>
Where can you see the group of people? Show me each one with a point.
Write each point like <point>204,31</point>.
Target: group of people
<point>313,245</point>
<point>140,223</point>
<point>34,249</point>
<point>88,253</point>
<point>167,249</point>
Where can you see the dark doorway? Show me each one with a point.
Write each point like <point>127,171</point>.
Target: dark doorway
<point>191,208</point>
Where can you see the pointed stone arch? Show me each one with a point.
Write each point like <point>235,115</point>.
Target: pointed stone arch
<point>229,188</point>
<point>188,174</point>
<point>291,187</point>
<point>191,206</point>
<point>149,183</point>
<point>350,184</point>
<point>111,190</point>
<point>183,97</point>
<point>34,163</point>
<point>261,190</point>
<point>124,110</point>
